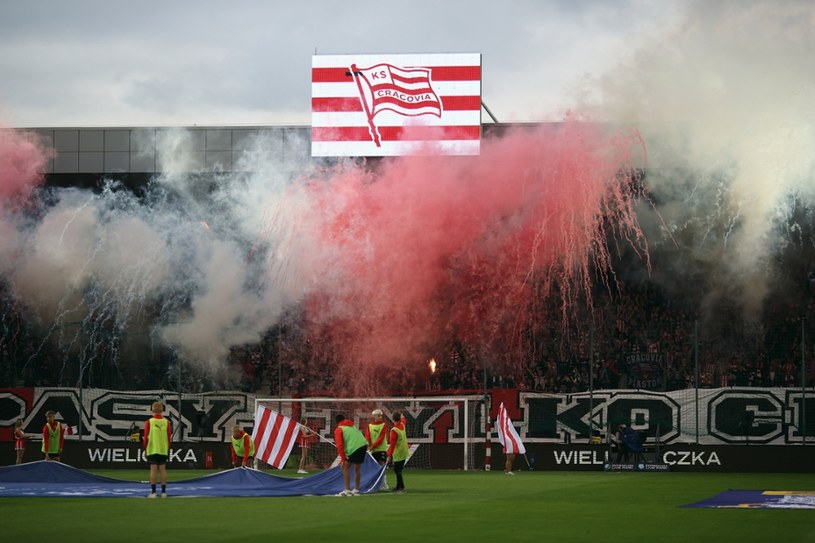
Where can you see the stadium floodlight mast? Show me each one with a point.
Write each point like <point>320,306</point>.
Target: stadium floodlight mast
<point>422,412</point>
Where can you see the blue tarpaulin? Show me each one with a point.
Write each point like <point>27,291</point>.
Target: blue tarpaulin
<point>53,479</point>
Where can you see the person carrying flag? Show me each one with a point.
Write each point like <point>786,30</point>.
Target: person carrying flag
<point>352,448</point>
<point>509,438</point>
<point>53,437</point>
<point>398,451</point>
<point>243,448</point>
<point>157,436</point>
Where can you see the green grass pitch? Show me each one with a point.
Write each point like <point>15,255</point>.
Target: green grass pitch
<point>445,506</point>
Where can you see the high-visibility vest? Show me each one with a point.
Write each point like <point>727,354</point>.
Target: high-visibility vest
<point>352,439</point>
<point>158,442</point>
<point>53,439</point>
<point>375,430</point>
<point>237,446</point>
<point>401,450</point>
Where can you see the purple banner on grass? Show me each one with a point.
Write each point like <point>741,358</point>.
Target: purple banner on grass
<point>760,499</point>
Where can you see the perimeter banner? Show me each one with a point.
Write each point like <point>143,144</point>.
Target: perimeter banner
<point>722,416</point>
<point>674,457</point>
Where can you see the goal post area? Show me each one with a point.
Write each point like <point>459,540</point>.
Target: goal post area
<point>445,432</point>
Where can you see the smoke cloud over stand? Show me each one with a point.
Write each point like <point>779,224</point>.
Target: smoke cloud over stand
<point>724,100</point>
<point>428,250</point>
<point>377,266</point>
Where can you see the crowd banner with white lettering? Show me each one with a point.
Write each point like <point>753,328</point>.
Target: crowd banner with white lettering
<point>725,416</point>
<point>676,420</point>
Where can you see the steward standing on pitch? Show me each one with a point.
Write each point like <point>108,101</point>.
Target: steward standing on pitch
<point>53,437</point>
<point>398,451</point>
<point>157,434</point>
<point>376,433</point>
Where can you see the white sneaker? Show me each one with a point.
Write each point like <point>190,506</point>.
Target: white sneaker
<point>345,493</point>
<point>163,494</point>
<point>355,492</point>
<point>385,485</point>
<point>509,473</point>
<point>301,471</point>
<point>152,495</point>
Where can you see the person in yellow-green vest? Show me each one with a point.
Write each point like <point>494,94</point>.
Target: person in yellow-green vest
<point>352,448</point>
<point>398,451</point>
<point>243,448</point>
<point>53,437</point>
<point>157,434</point>
<point>376,433</point>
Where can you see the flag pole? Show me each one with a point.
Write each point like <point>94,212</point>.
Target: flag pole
<point>325,439</point>
<point>320,437</point>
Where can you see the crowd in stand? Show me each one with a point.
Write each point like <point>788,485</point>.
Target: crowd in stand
<point>639,339</point>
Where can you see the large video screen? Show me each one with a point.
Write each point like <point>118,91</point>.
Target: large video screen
<point>392,105</point>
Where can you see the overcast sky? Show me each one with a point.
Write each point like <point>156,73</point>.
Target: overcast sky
<point>156,63</point>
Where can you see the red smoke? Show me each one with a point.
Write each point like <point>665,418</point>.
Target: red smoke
<point>22,164</point>
<point>428,249</point>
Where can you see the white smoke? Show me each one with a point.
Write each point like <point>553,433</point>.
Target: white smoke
<point>725,101</point>
<point>207,261</point>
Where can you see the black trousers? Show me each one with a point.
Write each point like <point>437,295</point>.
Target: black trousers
<point>623,454</point>
<point>397,469</point>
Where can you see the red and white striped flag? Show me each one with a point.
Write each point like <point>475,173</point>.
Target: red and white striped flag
<point>274,436</point>
<point>507,434</point>
<point>406,91</point>
<point>390,105</point>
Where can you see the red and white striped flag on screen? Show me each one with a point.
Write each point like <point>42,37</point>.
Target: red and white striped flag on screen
<point>390,105</point>
<point>274,436</point>
<point>507,434</point>
<point>406,91</point>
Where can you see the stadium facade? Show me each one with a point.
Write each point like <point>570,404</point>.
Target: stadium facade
<point>82,153</point>
<point>136,151</point>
